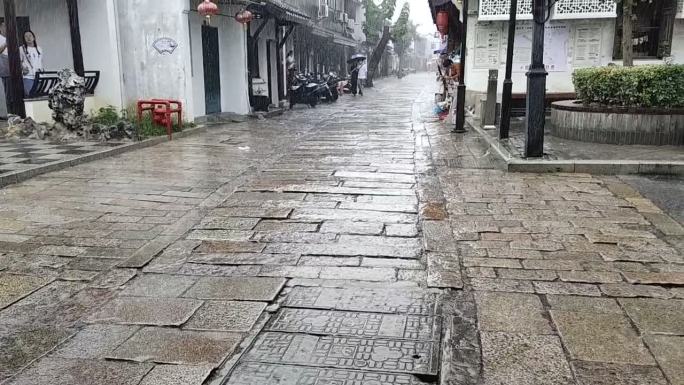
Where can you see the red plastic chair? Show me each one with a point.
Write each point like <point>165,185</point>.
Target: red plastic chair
<point>162,111</point>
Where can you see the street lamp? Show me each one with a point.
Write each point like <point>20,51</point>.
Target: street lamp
<point>536,85</point>
<point>461,88</point>
<point>505,124</point>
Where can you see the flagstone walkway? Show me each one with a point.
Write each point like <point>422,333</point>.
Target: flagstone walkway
<point>356,243</point>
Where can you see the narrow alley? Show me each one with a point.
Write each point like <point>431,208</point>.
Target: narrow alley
<point>354,243</point>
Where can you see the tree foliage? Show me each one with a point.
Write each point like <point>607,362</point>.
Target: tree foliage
<point>404,31</point>
<point>378,34</point>
<point>376,14</point>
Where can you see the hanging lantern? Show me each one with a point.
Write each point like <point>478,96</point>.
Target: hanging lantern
<point>443,22</point>
<point>208,9</point>
<point>244,16</point>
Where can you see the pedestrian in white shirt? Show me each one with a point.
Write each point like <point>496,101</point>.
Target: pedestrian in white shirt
<point>363,74</point>
<point>31,60</point>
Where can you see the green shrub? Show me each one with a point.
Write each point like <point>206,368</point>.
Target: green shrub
<point>147,128</point>
<point>641,86</point>
<point>107,116</point>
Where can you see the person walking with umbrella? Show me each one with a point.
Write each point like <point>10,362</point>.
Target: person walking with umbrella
<point>354,77</point>
<point>355,63</point>
<point>363,74</point>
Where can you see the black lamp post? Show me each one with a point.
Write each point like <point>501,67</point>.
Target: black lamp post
<point>505,124</point>
<point>461,88</point>
<point>536,85</point>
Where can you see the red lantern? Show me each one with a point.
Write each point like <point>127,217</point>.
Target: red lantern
<point>443,22</point>
<point>208,9</point>
<point>244,16</point>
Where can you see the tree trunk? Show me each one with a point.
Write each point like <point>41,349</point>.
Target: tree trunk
<point>627,24</point>
<point>377,55</point>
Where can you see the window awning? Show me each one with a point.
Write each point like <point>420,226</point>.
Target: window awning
<point>337,39</point>
<point>285,11</point>
<point>332,36</point>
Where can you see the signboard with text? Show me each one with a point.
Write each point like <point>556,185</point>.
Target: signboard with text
<point>556,40</point>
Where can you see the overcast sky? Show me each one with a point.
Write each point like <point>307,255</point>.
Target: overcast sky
<point>420,14</point>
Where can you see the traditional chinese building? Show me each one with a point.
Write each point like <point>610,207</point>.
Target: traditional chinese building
<point>140,49</point>
<point>579,33</point>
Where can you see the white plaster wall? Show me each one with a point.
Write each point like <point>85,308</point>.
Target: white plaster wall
<point>268,33</point>
<point>476,78</point>
<point>99,39</point>
<point>274,73</point>
<point>233,63</point>
<point>678,42</point>
<point>39,110</point>
<point>358,34</point>
<point>146,72</point>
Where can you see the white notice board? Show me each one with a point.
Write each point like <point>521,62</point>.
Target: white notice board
<point>556,38</point>
<point>487,53</point>
<point>587,48</point>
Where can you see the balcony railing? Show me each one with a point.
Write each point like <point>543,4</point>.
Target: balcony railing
<point>47,80</point>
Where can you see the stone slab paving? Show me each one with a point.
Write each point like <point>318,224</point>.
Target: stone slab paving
<point>146,311</point>
<point>26,154</point>
<point>356,243</point>
<point>173,346</point>
<point>237,316</point>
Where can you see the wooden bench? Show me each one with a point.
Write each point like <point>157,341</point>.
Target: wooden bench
<point>47,80</point>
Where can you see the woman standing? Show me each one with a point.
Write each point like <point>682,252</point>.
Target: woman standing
<point>31,60</point>
<point>354,77</point>
<point>363,74</point>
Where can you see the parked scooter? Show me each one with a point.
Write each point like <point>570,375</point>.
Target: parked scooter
<point>304,91</point>
<point>332,81</point>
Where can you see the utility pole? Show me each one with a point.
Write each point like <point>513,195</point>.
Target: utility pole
<point>461,88</point>
<point>536,85</point>
<point>505,124</point>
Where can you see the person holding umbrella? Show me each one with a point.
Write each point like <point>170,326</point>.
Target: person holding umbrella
<point>354,77</point>
<point>363,74</point>
<point>355,61</point>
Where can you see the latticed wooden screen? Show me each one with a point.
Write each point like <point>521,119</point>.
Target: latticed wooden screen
<point>564,9</point>
<point>583,9</point>
<point>499,9</point>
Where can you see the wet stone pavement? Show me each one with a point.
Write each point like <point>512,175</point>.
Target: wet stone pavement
<point>358,243</point>
<point>27,154</point>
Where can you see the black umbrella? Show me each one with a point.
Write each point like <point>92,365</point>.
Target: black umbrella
<point>357,57</point>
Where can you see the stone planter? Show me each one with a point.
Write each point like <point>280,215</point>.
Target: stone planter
<point>570,119</point>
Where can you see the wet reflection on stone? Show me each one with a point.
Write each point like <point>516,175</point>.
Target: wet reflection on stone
<point>339,245</point>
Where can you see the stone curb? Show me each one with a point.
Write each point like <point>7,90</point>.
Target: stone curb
<point>20,176</point>
<point>586,166</point>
